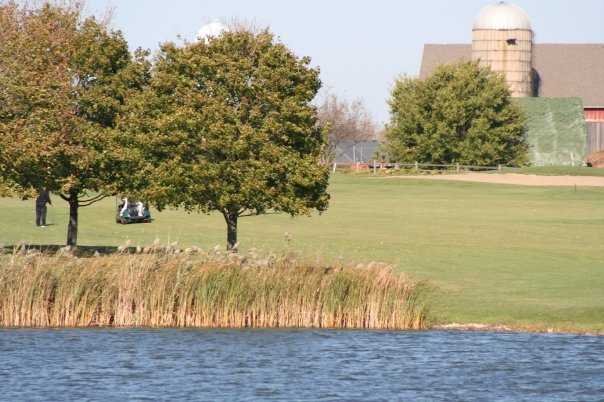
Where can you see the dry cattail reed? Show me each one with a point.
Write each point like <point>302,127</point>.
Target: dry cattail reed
<point>211,290</point>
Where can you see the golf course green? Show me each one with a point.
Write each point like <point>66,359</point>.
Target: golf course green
<point>527,257</point>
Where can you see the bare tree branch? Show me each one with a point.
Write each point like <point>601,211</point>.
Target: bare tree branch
<point>92,201</point>
<point>346,122</point>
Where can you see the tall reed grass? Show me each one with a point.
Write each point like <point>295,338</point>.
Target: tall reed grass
<point>211,289</point>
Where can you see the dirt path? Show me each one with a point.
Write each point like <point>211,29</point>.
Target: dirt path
<point>514,179</point>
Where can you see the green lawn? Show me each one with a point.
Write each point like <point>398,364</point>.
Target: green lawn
<point>497,254</point>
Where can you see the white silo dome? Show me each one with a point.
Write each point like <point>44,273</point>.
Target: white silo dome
<point>211,30</point>
<point>502,16</point>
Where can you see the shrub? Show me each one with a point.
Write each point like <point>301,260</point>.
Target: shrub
<point>462,114</point>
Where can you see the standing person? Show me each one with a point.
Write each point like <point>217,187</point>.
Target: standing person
<point>41,201</point>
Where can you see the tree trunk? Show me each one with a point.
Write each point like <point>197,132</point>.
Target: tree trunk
<point>231,221</point>
<point>72,226</point>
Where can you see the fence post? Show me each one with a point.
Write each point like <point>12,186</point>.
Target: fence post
<point>457,167</point>
<point>499,168</point>
<point>416,166</point>
<point>374,166</point>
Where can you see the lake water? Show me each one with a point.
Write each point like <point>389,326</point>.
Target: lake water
<point>106,365</point>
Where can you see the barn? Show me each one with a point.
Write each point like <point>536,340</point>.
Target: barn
<point>559,74</point>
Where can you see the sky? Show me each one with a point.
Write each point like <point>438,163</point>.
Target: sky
<point>361,47</point>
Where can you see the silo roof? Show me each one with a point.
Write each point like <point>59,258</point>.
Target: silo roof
<point>502,16</point>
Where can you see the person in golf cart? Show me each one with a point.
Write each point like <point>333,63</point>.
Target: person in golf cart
<point>132,211</point>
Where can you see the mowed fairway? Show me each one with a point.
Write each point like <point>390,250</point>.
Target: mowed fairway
<point>498,254</point>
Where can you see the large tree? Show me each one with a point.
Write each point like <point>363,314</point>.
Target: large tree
<point>63,81</point>
<point>227,125</point>
<point>463,113</point>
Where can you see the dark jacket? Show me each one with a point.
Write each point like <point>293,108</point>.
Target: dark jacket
<point>43,199</point>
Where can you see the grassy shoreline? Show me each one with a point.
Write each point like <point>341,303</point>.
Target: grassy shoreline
<point>520,329</point>
<point>511,256</point>
<point>415,301</point>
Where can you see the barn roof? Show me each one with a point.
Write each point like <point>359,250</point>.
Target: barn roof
<point>565,70</point>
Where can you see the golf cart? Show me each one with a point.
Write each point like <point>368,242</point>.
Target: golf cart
<point>131,211</point>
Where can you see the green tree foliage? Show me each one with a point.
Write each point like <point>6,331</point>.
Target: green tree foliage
<point>63,81</point>
<point>5,190</point>
<point>226,125</point>
<point>463,114</point>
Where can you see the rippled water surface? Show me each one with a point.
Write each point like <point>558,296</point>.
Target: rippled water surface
<point>105,365</point>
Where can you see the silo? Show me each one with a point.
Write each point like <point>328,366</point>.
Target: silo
<point>503,40</point>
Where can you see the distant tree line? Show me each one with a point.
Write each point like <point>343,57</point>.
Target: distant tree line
<point>224,124</point>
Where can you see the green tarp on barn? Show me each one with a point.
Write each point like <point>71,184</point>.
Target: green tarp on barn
<point>556,131</point>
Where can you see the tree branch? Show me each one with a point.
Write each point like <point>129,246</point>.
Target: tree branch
<point>249,214</point>
<point>92,200</point>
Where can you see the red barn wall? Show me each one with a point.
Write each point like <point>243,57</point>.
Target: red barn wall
<point>594,114</point>
<point>595,130</point>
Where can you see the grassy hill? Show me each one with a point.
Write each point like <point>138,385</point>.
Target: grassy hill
<point>497,254</point>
